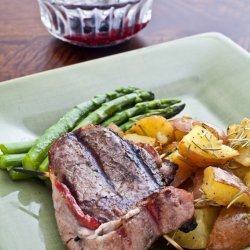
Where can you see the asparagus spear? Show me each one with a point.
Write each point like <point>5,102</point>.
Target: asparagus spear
<point>17,176</point>
<point>166,112</point>
<point>159,103</point>
<point>17,147</point>
<point>12,160</point>
<point>39,151</point>
<point>44,167</point>
<point>121,117</point>
<point>109,108</point>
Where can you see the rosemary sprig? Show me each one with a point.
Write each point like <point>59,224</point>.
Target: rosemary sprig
<point>172,242</point>
<point>206,148</point>
<point>239,142</point>
<point>235,198</point>
<point>241,138</point>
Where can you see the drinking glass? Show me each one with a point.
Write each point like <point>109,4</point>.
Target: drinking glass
<point>95,23</point>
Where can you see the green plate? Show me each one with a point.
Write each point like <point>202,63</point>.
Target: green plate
<point>209,72</point>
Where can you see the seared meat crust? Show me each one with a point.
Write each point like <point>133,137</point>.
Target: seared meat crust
<point>111,194</point>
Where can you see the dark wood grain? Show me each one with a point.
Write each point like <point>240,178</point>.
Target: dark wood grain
<point>26,47</point>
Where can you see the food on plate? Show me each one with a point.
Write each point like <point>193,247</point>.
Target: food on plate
<point>181,126</point>
<point>154,126</point>
<point>16,147</point>
<point>239,138</point>
<point>201,148</point>
<point>142,176</point>
<point>167,112</point>
<point>10,160</point>
<point>140,139</point>
<point>198,238</point>
<point>223,187</point>
<point>247,179</point>
<point>139,109</point>
<point>111,194</point>
<point>231,230</point>
<point>184,170</point>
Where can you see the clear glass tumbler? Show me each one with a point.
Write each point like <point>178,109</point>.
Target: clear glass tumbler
<point>95,23</point>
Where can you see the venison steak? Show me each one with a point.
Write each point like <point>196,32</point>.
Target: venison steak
<point>111,194</point>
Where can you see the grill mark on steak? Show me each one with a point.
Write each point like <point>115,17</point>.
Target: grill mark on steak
<point>96,158</point>
<point>122,165</point>
<point>76,167</point>
<point>138,157</point>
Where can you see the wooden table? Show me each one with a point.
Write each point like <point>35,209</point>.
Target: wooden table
<point>27,48</point>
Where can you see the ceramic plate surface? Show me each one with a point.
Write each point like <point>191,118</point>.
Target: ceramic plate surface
<point>208,72</point>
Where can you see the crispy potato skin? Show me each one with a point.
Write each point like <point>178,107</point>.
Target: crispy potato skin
<point>217,132</point>
<point>231,230</point>
<point>181,126</point>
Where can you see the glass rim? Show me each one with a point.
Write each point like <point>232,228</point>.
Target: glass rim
<point>93,3</point>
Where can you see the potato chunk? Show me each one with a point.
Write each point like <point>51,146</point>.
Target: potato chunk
<point>184,170</point>
<point>231,230</point>
<point>238,169</point>
<point>247,179</point>
<point>140,139</point>
<point>198,238</point>
<point>239,138</point>
<point>154,126</point>
<point>181,126</point>
<point>201,148</point>
<point>223,187</point>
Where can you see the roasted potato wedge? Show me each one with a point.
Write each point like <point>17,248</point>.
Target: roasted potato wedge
<point>198,238</point>
<point>231,230</point>
<point>184,170</point>
<point>217,132</point>
<point>154,126</point>
<point>201,148</point>
<point>140,139</point>
<point>224,188</point>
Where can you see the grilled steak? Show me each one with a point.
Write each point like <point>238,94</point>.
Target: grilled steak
<point>110,194</point>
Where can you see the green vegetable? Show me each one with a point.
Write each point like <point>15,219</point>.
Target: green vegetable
<point>121,117</point>
<point>17,147</point>
<point>166,112</point>
<point>17,176</point>
<point>109,108</point>
<point>44,167</point>
<point>39,151</point>
<point>13,160</point>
